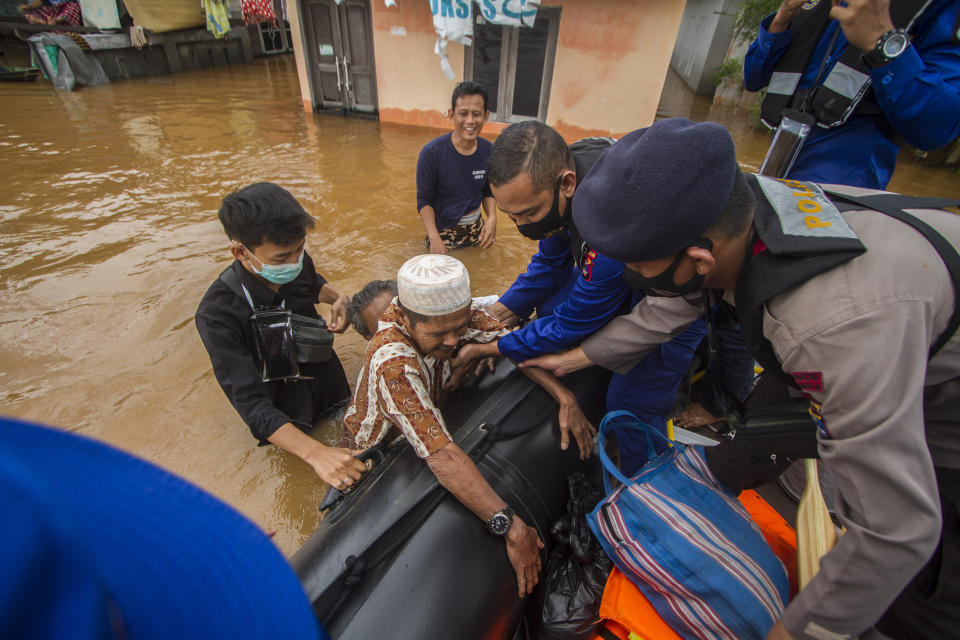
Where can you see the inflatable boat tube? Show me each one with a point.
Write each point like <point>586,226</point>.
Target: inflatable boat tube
<point>400,557</point>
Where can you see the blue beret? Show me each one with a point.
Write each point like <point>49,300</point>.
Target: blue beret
<point>656,190</point>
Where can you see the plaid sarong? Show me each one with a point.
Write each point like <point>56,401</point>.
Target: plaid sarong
<point>460,236</point>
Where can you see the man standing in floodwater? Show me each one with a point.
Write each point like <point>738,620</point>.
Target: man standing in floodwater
<point>452,178</point>
<point>249,349</point>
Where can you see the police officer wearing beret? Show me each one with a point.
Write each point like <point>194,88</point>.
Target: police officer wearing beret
<point>857,307</point>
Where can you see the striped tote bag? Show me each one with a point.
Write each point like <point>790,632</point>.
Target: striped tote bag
<point>688,543</point>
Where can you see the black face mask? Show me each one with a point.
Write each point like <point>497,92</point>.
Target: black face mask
<point>662,284</point>
<point>549,224</point>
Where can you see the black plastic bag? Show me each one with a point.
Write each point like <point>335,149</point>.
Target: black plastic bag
<point>577,570</point>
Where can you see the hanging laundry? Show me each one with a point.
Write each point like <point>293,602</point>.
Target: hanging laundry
<point>65,12</point>
<point>453,21</point>
<point>64,62</point>
<point>218,16</point>
<point>256,11</point>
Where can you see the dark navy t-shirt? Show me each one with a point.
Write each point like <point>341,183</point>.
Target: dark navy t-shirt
<point>451,183</point>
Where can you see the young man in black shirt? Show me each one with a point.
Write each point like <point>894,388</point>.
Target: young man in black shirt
<point>272,271</point>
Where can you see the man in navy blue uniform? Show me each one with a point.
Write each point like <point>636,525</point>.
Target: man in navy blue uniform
<point>575,291</point>
<point>873,73</point>
<point>452,178</point>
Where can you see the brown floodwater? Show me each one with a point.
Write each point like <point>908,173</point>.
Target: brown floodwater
<point>109,237</point>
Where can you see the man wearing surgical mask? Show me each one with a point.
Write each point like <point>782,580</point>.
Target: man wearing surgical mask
<point>574,290</point>
<point>271,271</point>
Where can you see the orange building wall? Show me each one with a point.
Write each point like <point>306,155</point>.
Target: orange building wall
<point>611,61</point>
<point>410,85</point>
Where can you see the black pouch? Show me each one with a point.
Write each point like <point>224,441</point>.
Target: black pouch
<point>311,339</point>
<point>275,346</point>
<point>285,340</point>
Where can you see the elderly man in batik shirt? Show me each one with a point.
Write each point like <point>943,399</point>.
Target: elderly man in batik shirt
<point>407,368</point>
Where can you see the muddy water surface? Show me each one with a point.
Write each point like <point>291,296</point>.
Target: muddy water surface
<point>109,237</point>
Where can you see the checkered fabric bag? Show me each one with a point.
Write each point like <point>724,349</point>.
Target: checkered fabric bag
<point>688,543</point>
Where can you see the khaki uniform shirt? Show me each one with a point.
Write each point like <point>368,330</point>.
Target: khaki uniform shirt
<point>857,338</point>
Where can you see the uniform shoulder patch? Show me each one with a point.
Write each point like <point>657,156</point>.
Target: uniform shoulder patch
<point>804,210</point>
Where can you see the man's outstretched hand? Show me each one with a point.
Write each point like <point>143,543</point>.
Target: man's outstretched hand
<point>572,421</point>
<point>503,315</point>
<point>523,549</point>
<point>560,364</point>
<point>337,466</point>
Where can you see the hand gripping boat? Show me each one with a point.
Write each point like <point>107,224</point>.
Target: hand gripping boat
<point>400,557</point>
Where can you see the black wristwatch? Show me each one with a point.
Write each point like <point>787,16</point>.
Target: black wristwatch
<point>500,522</point>
<point>889,46</point>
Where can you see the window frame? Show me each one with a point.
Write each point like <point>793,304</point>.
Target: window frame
<point>510,40</point>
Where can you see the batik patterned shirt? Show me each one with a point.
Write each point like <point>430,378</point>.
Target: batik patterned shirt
<point>398,388</point>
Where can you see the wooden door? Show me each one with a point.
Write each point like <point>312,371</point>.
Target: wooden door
<point>360,72</point>
<point>340,42</point>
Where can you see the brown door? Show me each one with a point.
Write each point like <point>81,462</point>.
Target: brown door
<point>340,42</point>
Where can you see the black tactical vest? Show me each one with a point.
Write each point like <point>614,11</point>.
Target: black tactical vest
<point>585,154</point>
<point>800,233</point>
<point>835,97</point>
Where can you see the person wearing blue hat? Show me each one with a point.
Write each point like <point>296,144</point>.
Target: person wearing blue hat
<point>845,296</point>
<point>574,289</point>
<point>100,544</point>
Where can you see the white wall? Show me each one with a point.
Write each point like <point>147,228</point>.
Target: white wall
<point>703,41</point>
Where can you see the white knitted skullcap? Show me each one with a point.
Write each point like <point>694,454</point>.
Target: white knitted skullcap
<point>433,285</point>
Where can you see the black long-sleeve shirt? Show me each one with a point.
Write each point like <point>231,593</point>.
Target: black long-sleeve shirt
<point>223,321</point>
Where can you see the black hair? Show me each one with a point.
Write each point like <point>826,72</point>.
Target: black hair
<point>737,212</point>
<point>414,317</point>
<point>362,299</point>
<point>529,147</point>
<point>264,212</point>
<point>468,88</point>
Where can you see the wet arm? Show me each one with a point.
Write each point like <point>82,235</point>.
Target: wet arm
<point>335,466</point>
<point>428,218</point>
<point>426,192</point>
<point>489,231</point>
<point>628,339</point>
<point>236,371</point>
<point>461,477</point>
<point>571,418</point>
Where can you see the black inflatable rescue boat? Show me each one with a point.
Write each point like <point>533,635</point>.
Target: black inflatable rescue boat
<point>400,557</point>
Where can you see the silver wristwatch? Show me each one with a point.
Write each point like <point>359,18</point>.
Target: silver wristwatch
<point>889,46</point>
<point>500,522</point>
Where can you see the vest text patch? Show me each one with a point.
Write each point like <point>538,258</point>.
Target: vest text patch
<point>804,210</point>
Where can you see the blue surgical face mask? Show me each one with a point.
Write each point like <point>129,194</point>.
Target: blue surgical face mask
<point>279,273</point>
